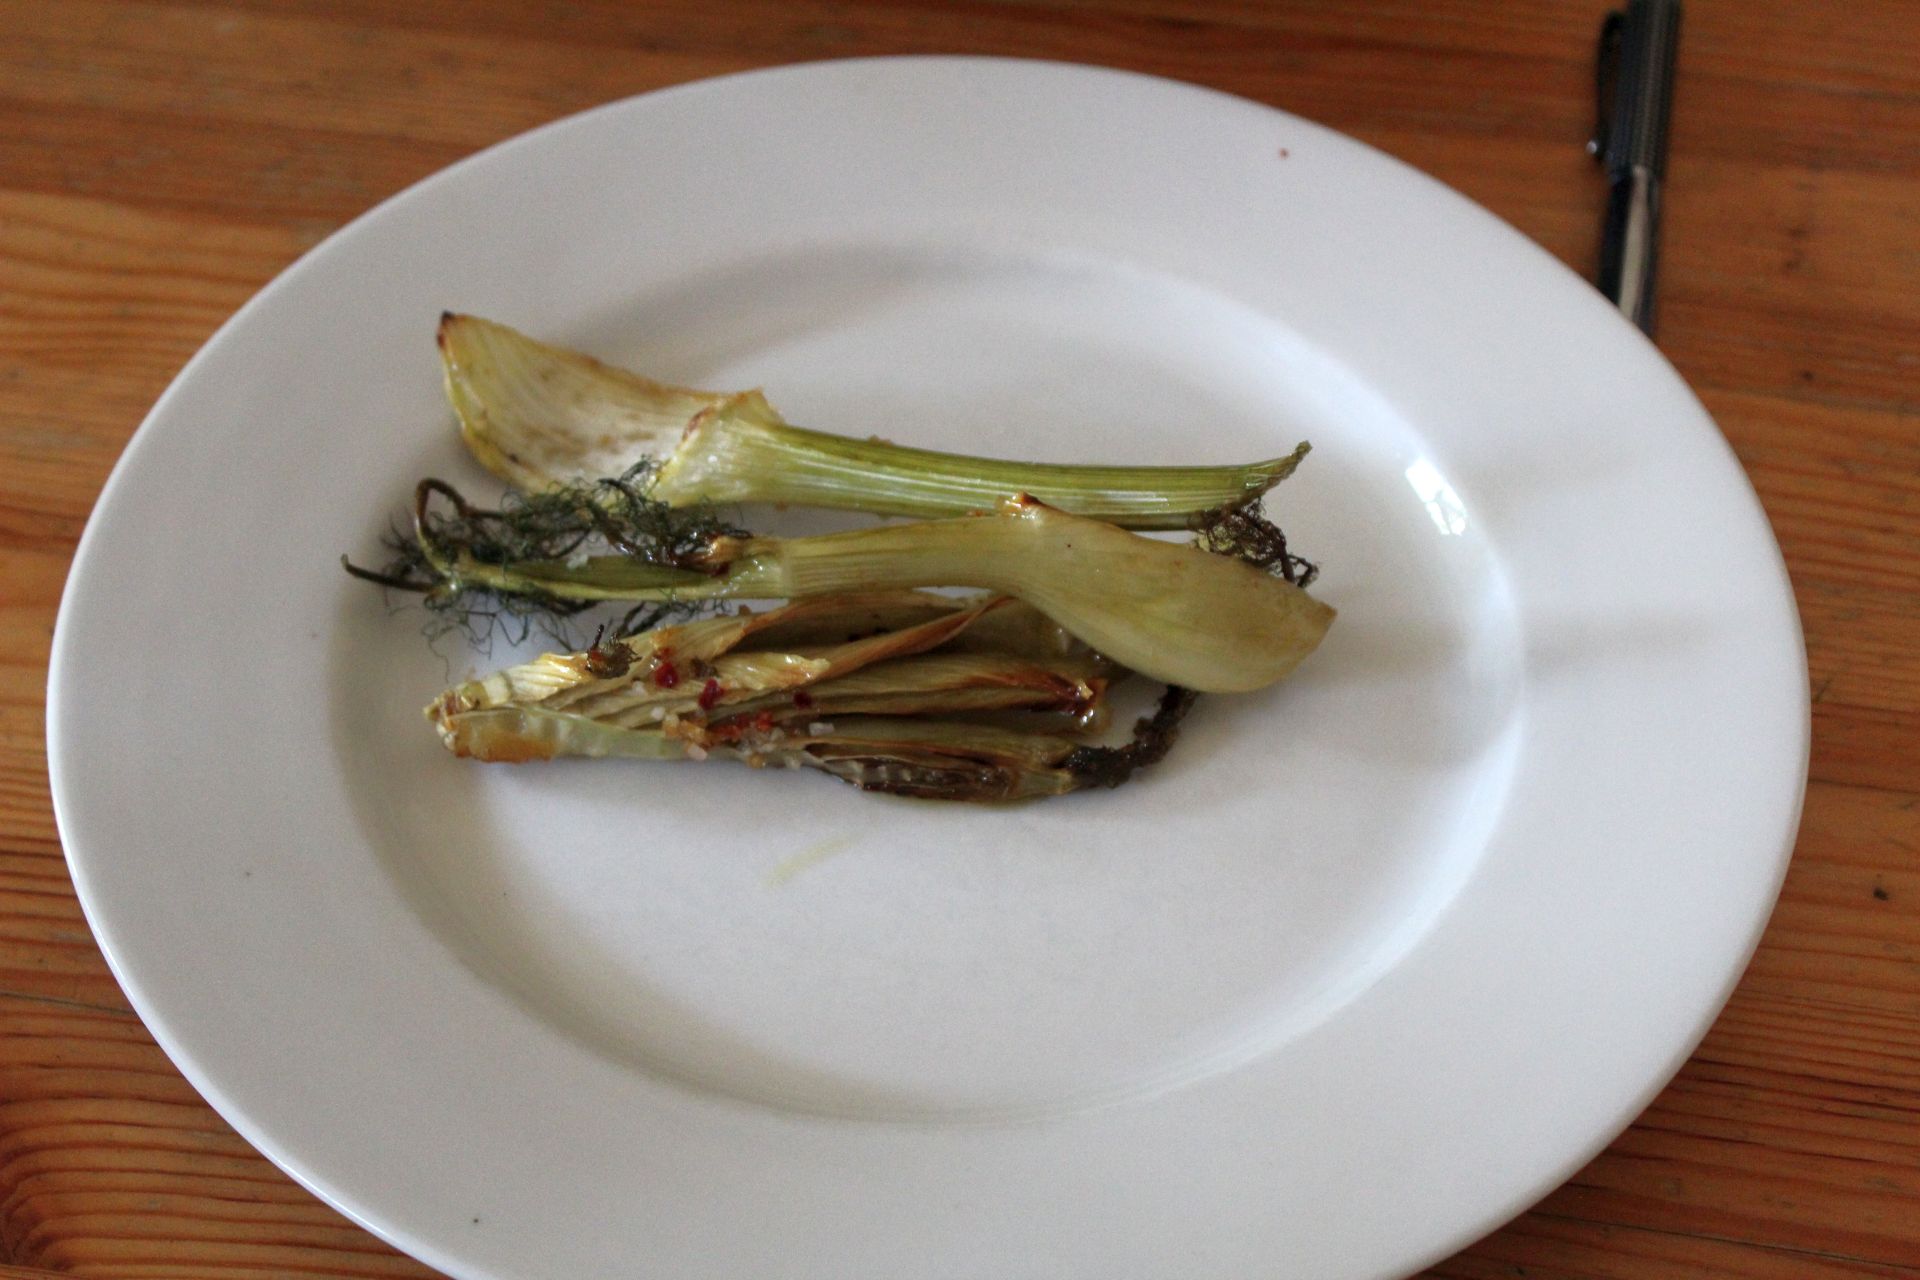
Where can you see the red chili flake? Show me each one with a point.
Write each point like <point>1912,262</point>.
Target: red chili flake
<point>802,699</point>
<point>709,694</point>
<point>666,675</point>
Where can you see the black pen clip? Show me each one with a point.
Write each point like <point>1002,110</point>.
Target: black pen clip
<point>1606,83</point>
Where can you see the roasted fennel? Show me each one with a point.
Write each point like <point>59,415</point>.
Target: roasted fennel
<point>915,708</point>
<point>539,416</point>
<point>1176,613</point>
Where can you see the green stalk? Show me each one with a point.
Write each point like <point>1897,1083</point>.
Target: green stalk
<point>1175,613</point>
<point>541,416</point>
<point>595,580</point>
<point>742,452</point>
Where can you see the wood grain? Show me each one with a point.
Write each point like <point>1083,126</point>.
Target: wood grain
<point>159,162</point>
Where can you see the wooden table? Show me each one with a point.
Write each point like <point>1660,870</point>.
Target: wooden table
<point>160,162</point>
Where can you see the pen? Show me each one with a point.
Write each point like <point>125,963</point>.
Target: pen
<point>1634,77</point>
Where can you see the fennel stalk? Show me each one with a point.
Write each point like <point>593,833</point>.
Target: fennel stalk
<point>807,685</point>
<point>539,416</point>
<point>1178,614</point>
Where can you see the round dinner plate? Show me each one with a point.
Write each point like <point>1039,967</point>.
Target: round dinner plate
<point>1374,959</point>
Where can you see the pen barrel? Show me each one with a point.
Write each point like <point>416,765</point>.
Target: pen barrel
<point>1630,245</point>
<point>1649,37</point>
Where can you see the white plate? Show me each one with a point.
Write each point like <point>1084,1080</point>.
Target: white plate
<point>1375,959</point>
